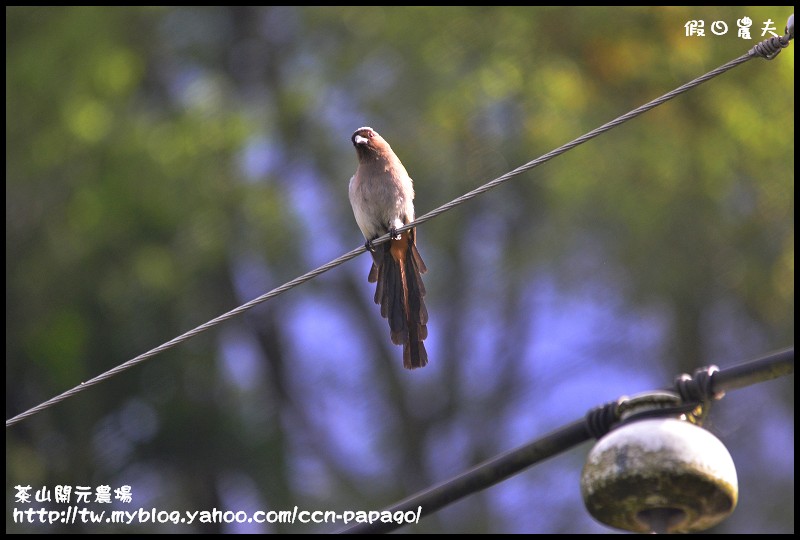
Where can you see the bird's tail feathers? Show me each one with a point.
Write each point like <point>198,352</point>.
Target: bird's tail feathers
<point>400,293</point>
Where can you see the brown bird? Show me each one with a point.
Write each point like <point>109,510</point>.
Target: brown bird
<point>382,195</point>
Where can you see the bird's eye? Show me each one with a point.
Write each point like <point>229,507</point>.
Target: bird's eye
<point>370,134</point>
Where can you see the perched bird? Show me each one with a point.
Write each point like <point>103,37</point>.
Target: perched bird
<point>382,195</point>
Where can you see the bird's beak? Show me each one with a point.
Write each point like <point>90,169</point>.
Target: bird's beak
<point>358,139</point>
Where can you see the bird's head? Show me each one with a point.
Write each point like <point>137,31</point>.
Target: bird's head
<point>369,145</point>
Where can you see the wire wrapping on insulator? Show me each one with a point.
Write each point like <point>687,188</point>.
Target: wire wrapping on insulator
<point>600,419</point>
<point>771,47</point>
<point>698,389</point>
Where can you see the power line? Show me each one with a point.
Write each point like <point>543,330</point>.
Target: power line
<point>767,49</point>
<point>707,384</point>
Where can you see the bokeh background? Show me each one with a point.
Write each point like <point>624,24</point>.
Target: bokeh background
<point>164,165</point>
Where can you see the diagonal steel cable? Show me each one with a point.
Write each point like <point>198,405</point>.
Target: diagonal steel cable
<point>499,468</point>
<point>767,49</point>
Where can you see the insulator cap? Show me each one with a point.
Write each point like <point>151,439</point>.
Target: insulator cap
<point>659,475</point>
